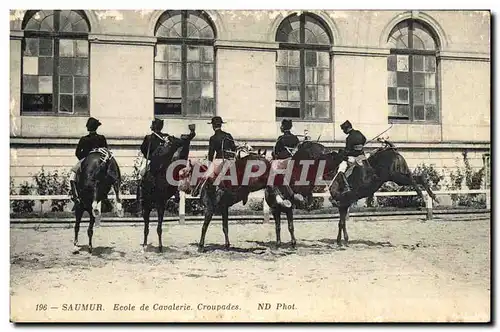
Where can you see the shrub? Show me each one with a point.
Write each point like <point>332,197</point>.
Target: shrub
<point>52,183</point>
<point>256,204</point>
<point>471,179</point>
<point>429,174</point>
<point>25,205</point>
<point>129,185</point>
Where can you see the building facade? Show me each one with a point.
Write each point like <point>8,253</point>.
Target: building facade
<point>424,74</point>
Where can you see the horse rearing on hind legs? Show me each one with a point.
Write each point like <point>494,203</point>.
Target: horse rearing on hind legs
<point>99,172</point>
<point>155,187</point>
<point>383,165</point>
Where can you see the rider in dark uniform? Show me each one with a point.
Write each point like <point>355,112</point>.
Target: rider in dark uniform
<point>220,141</point>
<point>283,148</point>
<point>355,142</point>
<point>86,144</point>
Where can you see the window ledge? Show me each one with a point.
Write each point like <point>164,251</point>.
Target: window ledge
<point>246,45</point>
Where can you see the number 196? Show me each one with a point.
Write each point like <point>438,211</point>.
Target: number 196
<point>41,307</point>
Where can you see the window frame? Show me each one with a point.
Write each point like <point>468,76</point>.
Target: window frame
<point>410,51</point>
<point>56,37</point>
<point>184,42</point>
<point>303,47</point>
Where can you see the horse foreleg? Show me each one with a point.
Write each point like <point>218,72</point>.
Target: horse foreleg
<point>277,225</point>
<point>90,231</point>
<point>225,225</point>
<point>146,211</point>
<point>161,211</point>
<point>78,216</point>
<point>289,216</point>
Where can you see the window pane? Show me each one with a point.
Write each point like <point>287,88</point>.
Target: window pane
<point>323,59</point>
<point>430,96</point>
<point>430,80</point>
<point>392,95</point>
<point>174,52</point>
<point>392,79</point>
<point>323,93</point>
<point>82,49</point>
<point>311,59</point>
<point>293,76</point>
<point>30,65</point>
<point>287,112</point>
<point>282,75</point>
<point>66,103</point>
<point>311,76</point>
<point>193,107</point>
<point>391,63</point>
<point>311,93</point>
<point>46,47</point>
<point>281,92</point>
<point>316,111</point>
<point>193,71</point>
<point>294,58</point>
<point>281,57</point>
<point>418,80</point>
<point>66,84</point>
<point>45,66</point>
<point>207,72</point>
<point>430,64</point>
<point>161,88</point>
<point>418,96</point>
<point>193,53</point>
<point>403,79</point>
<point>403,96</point>
<point>162,107</point>
<point>403,111</point>
<point>207,107</point>
<point>393,110</point>
<point>81,104</point>
<point>37,103</point>
<point>174,71</point>
<point>418,63</point>
<point>81,67</point>
<point>431,113</point>
<point>66,48</point>
<point>45,84</point>
<point>418,112</point>
<point>207,54</point>
<point>293,93</point>
<point>30,84</point>
<point>207,89</point>
<point>161,70</point>
<point>174,89</point>
<point>194,89</point>
<point>323,76</point>
<point>31,46</point>
<point>402,64</point>
<point>161,52</point>
<point>81,85</point>
<point>66,66</point>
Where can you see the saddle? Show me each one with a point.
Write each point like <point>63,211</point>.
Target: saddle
<point>106,155</point>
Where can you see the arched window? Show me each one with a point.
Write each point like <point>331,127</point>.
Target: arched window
<point>185,64</point>
<point>303,68</point>
<point>55,63</point>
<point>412,87</point>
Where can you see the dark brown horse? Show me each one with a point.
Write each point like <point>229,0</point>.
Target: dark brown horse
<point>99,172</point>
<point>322,166</point>
<point>155,187</point>
<point>218,198</point>
<point>385,164</point>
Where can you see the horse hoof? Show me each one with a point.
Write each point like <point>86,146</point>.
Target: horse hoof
<point>293,244</point>
<point>90,250</point>
<point>227,246</point>
<point>201,249</point>
<point>160,249</point>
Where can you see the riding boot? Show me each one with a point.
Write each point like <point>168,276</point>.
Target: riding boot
<point>74,192</point>
<point>347,188</point>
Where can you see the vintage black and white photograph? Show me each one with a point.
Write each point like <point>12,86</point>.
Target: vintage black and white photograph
<point>272,165</point>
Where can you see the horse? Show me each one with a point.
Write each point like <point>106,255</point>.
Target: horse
<point>99,172</point>
<point>306,150</point>
<point>155,187</point>
<point>218,198</point>
<point>383,165</point>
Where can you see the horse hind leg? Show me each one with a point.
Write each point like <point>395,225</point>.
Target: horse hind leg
<point>277,224</point>
<point>118,201</point>
<point>96,212</point>
<point>145,215</point>
<point>343,214</point>
<point>78,216</point>
<point>159,228</point>
<point>225,226</point>
<point>419,179</point>
<point>90,231</point>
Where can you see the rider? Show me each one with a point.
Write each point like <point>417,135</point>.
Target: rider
<point>355,142</point>
<point>86,144</point>
<point>283,150</point>
<point>221,144</point>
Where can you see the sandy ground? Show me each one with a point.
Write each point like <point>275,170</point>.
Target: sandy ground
<point>393,270</point>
